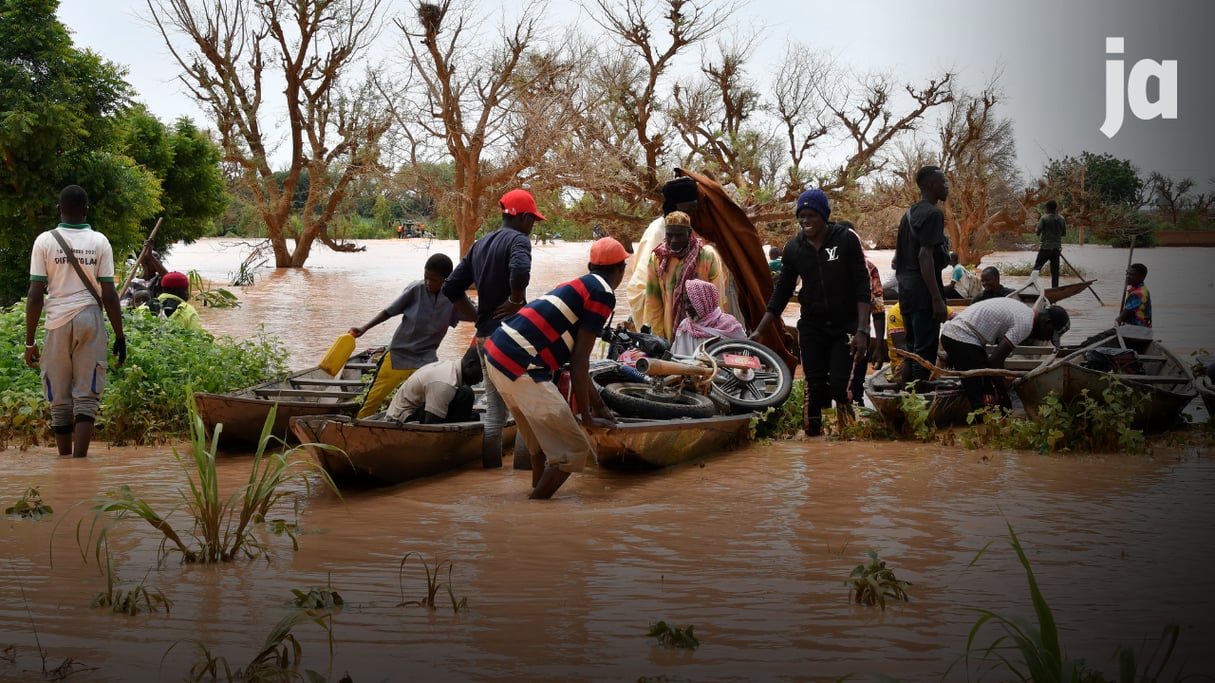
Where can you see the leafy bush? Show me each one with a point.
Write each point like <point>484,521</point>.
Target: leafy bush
<point>871,584</point>
<point>143,399</point>
<point>783,421</point>
<point>673,636</point>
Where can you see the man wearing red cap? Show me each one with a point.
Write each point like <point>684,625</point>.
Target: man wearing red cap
<point>558,328</point>
<point>500,265</point>
<point>173,303</point>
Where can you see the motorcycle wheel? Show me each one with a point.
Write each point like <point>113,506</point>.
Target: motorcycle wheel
<point>641,400</point>
<point>750,390</point>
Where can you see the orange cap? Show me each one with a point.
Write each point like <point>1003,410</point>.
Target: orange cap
<point>607,251</point>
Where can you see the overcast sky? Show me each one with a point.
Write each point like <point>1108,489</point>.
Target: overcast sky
<point>1051,55</point>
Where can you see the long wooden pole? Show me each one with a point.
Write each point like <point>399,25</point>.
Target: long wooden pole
<point>1130,255</point>
<point>1090,285</point>
<point>143,254</point>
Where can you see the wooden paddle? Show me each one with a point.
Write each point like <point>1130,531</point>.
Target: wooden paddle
<point>143,254</point>
<point>938,371</point>
<point>1130,254</point>
<point>1090,286</point>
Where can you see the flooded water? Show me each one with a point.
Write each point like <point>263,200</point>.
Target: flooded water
<point>752,548</point>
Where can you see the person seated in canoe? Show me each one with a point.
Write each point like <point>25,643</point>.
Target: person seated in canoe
<point>896,337</point>
<point>989,278</point>
<point>173,302</point>
<point>962,283</point>
<point>426,315</point>
<point>705,319</point>
<point>1003,322</point>
<point>558,328</point>
<point>439,392</point>
<point>1137,309</point>
<point>682,256</point>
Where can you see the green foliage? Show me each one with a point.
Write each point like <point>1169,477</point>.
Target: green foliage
<point>1096,423</point>
<point>915,416</point>
<point>432,584</point>
<point>673,636</point>
<point>30,506</point>
<point>143,398</point>
<point>223,528</point>
<point>1030,651</point>
<point>1113,181</point>
<point>131,602</point>
<point>783,421</point>
<point>318,598</point>
<point>214,297</point>
<point>278,659</point>
<point>871,584</point>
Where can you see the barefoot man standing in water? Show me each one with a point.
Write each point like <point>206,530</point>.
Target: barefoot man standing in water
<point>559,327</point>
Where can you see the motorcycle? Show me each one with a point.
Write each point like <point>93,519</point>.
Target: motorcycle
<point>722,376</point>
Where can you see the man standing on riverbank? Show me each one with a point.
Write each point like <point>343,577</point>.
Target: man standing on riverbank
<point>71,263</point>
<point>1050,229</point>
<point>500,265</point>
<point>919,256</point>
<point>558,328</point>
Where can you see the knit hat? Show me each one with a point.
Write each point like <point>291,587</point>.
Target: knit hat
<point>814,199</point>
<point>607,251</point>
<point>174,280</point>
<point>519,202</point>
<point>679,218</point>
<point>682,189</point>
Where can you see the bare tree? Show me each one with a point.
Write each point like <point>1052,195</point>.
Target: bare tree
<point>235,48</point>
<point>1171,196</point>
<point>494,105</point>
<point>978,155</point>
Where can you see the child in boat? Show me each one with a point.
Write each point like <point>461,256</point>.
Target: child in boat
<point>426,315</point>
<point>1138,307</point>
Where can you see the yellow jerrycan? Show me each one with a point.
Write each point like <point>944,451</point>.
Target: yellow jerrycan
<point>337,355</point>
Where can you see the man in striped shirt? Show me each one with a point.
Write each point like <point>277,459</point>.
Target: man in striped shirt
<point>558,328</point>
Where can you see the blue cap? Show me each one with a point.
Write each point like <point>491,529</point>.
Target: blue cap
<point>814,199</point>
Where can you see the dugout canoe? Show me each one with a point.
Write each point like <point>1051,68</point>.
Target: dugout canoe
<point>644,444</point>
<point>1206,389</point>
<point>1164,387</point>
<point>1027,293</point>
<point>380,452</point>
<point>306,392</point>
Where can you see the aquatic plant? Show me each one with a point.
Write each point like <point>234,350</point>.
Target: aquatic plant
<point>1097,423</point>
<point>133,601</point>
<point>278,660</point>
<point>673,636</point>
<point>915,415</point>
<point>871,584</point>
<point>1030,651</point>
<point>30,506</point>
<point>213,297</point>
<point>780,422</point>
<point>432,584</point>
<point>223,526</point>
<point>322,597</point>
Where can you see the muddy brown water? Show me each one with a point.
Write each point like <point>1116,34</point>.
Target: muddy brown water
<point>752,548</point>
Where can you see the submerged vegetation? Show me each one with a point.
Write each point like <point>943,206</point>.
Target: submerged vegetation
<point>222,527</point>
<point>30,506</point>
<point>433,585</point>
<point>673,636</point>
<point>871,584</point>
<point>143,398</point>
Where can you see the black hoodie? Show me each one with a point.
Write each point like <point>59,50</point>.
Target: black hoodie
<point>834,278</point>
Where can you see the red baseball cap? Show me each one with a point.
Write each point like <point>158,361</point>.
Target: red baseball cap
<point>519,202</point>
<point>607,251</point>
<point>175,280</point>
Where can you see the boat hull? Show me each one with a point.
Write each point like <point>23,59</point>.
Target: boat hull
<point>243,413</point>
<point>380,452</point>
<point>661,443</point>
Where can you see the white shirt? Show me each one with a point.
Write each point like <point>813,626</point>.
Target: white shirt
<point>66,294</point>
<point>988,321</point>
<point>433,385</point>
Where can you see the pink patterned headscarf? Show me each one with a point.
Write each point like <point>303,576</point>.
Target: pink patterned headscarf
<point>706,319</point>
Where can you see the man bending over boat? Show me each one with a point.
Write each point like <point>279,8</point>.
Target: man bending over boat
<point>1004,323</point>
<point>439,392</point>
<point>558,328</point>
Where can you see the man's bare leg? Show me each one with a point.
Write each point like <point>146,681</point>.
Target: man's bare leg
<point>63,441</point>
<point>550,481</point>
<point>82,437</point>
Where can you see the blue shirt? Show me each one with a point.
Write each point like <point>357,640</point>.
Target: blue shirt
<point>495,263</point>
<point>539,339</point>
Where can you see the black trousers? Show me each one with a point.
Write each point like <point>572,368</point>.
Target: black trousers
<point>1053,256</point>
<point>827,363</point>
<point>980,391</point>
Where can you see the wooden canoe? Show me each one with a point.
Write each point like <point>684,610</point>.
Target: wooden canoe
<point>1166,384</point>
<point>1206,389</point>
<point>637,443</point>
<point>376,451</point>
<point>306,392</point>
<point>947,403</point>
<point>1028,293</point>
